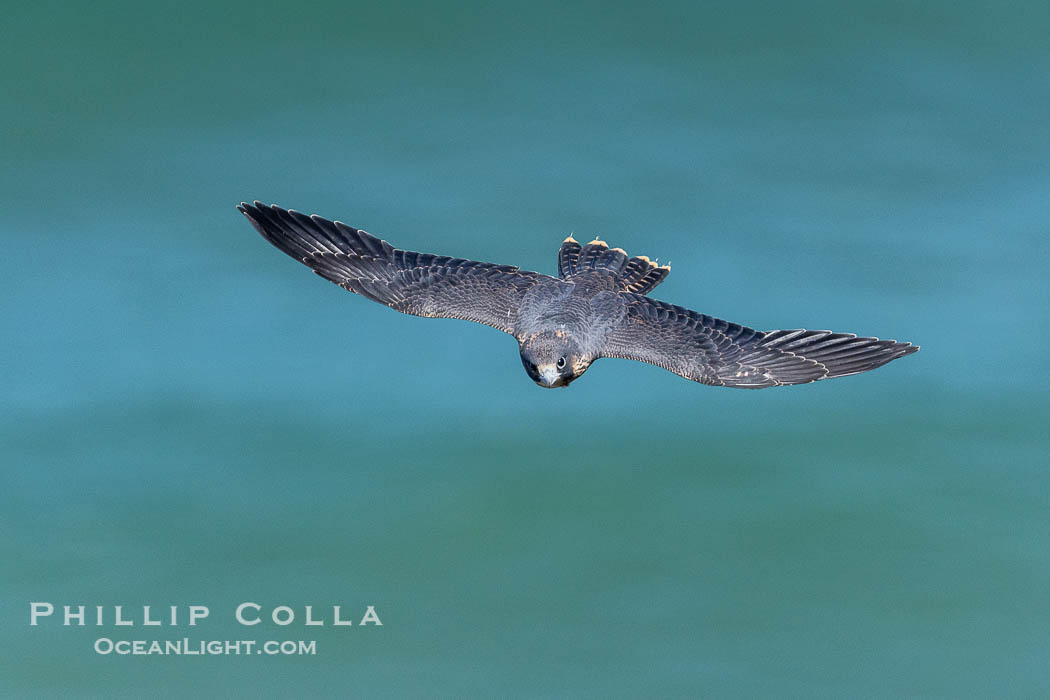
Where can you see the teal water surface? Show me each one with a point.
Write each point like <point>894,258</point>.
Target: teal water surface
<point>189,417</point>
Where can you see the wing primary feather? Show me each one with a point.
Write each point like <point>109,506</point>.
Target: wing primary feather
<point>415,283</point>
<point>717,352</point>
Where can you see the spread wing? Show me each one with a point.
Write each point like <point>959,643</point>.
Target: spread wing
<point>717,352</point>
<point>420,284</point>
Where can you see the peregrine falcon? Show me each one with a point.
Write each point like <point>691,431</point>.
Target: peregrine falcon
<point>597,306</point>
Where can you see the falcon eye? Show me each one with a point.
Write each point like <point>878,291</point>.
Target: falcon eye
<point>561,363</point>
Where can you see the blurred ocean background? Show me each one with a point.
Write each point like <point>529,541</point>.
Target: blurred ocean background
<point>187,416</point>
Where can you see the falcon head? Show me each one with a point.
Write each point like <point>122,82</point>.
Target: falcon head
<point>553,358</point>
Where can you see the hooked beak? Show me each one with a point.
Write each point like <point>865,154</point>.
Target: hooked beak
<point>549,375</point>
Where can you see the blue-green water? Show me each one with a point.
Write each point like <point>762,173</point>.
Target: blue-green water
<point>189,417</point>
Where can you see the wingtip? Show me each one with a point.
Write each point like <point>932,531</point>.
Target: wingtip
<point>903,346</point>
<point>253,212</point>
<point>267,207</point>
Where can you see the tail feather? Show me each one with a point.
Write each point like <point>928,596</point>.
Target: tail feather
<point>568,257</point>
<point>613,259</point>
<point>638,274</point>
<point>590,255</point>
<point>642,275</point>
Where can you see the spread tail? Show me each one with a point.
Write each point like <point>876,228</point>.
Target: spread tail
<point>638,274</point>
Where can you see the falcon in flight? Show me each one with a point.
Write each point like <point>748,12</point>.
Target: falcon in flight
<point>597,306</point>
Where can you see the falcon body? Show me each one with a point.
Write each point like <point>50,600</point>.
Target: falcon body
<point>597,306</point>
